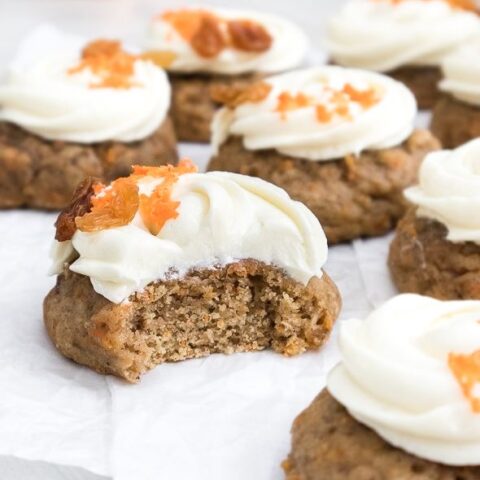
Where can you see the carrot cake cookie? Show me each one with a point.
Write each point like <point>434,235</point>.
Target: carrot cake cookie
<point>436,249</point>
<point>71,109</point>
<point>340,140</point>
<point>403,403</point>
<point>169,264</point>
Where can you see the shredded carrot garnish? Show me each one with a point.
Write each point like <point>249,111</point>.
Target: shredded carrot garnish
<point>466,369</point>
<point>116,205</point>
<point>288,102</point>
<point>156,209</point>
<point>322,114</point>
<point>107,60</point>
<point>337,104</point>
<point>111,207</point>
<point>366,98</point>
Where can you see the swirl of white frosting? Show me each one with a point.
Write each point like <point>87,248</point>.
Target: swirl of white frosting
<point>299,133</point>
<point>288,49</point>
<point>223,217</point>
<point>395,376</point>
<point>42,97</point>
<point>382,35</point>
<point>461,71</point>
<point>449,191</point>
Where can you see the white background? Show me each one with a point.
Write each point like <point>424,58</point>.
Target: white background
<point>359,269</point>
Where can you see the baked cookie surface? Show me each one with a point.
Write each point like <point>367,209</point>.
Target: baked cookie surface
<point>455,123</point>
<point>456,117</point>
<point>422,260</point>
<point>242,307</point>
<point>193,106</point>
<point>329,444</point>
<point>422,81</point>
<point>40,173</point>
<point>436,249</point>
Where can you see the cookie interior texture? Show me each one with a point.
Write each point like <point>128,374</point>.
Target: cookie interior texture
<point>352,197</point>
<point>40,173</point>
<point>243,306</point>
<point>423,261</point>
<point>422,81</point>
<point>329,444</point>
<point>455,122</point>
<point>192,106</point>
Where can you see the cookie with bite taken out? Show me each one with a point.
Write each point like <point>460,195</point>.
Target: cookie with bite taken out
<point>170,264</point>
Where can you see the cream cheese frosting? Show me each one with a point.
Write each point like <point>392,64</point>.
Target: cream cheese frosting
<point>449,191</point>
<point>411,372</point>
<point>383,35</point>
<point>222,218</point>
<point>288,48</point>
<point>43,95</point>
<point>340,112</point>
<point>461,71</point>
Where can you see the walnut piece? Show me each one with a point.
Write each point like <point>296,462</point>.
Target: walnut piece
<point>234,95</point>
<point>79,205</point>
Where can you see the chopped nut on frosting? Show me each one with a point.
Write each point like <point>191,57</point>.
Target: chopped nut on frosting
<point>234,95</point>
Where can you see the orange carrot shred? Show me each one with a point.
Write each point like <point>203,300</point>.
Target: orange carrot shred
<point>366,98</point>
<point>466,370</point>
<point>107,60</point>
<point>116,206</point>
<point>338,102</point>
<point>156,209</point>
<point>322,114</point>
